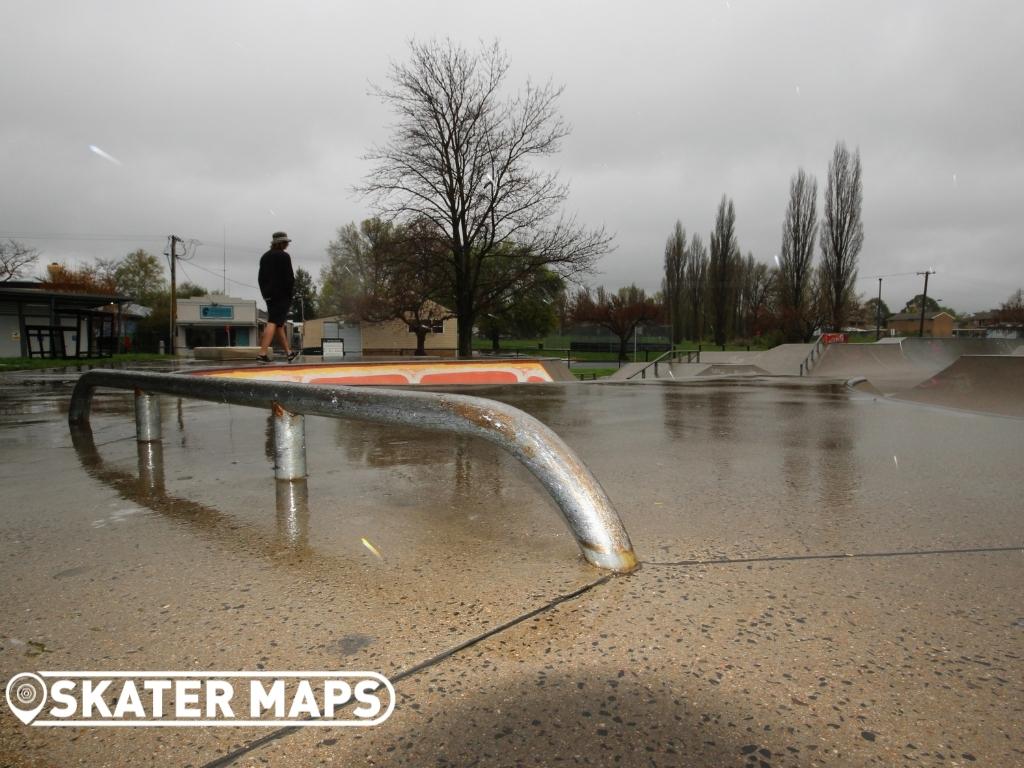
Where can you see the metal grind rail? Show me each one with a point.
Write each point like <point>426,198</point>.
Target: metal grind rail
<point>692,356</point>
<point>812,357</point>
<point>583,503</point>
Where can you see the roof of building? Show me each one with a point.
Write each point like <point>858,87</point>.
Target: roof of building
<point>25,290</point>
<point>917,315</point>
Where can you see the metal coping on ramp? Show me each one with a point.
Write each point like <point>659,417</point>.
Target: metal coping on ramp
<point>582,501</point>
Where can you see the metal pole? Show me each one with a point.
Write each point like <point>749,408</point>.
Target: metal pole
<point>147,417</point>
<point>924,301</point>
<point>151,469</point>
<point>292,498</point>
<point>878,312</point>
<point>174,295</point>
<point>289,444</point>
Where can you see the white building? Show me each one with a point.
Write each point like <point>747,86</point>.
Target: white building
<point>217,320</point>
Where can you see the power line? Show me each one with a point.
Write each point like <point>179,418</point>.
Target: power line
<point>98,237</point>
<point>88,237</point>
<point>895,274</point>
<point>217,274</point>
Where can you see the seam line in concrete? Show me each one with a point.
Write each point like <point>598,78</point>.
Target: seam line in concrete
<point>280,733</point>
<point>834,556</point>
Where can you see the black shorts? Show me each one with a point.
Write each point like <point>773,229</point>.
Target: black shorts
<point>277,311</point>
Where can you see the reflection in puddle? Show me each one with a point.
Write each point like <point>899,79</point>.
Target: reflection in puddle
<point>148,490</point>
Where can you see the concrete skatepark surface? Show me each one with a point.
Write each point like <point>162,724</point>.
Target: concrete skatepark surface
<point>829,578</point>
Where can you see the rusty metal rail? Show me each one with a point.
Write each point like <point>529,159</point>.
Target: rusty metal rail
<point>583,503</point>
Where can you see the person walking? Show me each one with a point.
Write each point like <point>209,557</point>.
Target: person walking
<point>276,282</point>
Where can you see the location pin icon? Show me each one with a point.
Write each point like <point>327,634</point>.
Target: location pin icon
<point>26,696</point>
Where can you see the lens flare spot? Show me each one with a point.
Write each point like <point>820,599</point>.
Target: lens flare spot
<point>373,550</point>
<point>106,156</point>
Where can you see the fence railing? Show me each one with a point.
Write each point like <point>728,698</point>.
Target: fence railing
<point>583,503</point>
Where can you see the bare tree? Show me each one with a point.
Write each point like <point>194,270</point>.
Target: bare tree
<point>673,282</point>
<point>760,287</point>
<point>1011,311</point>
<point>842,232</point>
<point>721,268</point>
<point>696,287</point>
<point>796,263</point>
<point>459,159</point>
<point>15,257</point>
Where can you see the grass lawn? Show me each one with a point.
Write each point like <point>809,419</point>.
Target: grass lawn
<point>593,373</point>
<point>31,363</point>
<point>558,346</point>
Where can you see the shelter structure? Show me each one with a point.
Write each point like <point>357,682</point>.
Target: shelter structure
<point>36,321</point>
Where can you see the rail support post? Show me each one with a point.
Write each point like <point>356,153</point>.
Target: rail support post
<point>147,417</point>
<point>289,444</point>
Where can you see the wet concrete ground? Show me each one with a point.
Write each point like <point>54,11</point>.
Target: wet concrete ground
<point>828,579</point>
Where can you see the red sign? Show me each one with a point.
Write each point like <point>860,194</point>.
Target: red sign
<point>833,338</point>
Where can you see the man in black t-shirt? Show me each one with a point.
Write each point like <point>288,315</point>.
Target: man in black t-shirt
<point>276,282</point>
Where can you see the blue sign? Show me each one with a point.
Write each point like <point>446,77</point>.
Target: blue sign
<point>217,312</point>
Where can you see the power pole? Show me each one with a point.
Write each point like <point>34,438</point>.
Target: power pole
<point>924,299</point>
<point>878,312</point>
<point>174,292</point>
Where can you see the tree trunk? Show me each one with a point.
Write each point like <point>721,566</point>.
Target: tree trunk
<point>464,305</point>
<point>495,340</point>
<point>622,347</point>
<point>421,341</point>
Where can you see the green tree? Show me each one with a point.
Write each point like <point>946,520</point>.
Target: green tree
<point>140,275</point>
<point>304,296</point>
<point>528,309</point>
<point>722,269</point>
<point>842,233</point>
<point>796,263</point>
<point>460,162</point>
<point>875,309</point>
<point>355,259</point>
<point>380,271</point>
<point>673,284</point>
<point>696,289</point>
<point>914,304</point>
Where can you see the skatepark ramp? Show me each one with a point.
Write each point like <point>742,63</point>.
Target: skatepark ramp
<point>989,383</point>
<point>896,367</point>
<point>581,499</point>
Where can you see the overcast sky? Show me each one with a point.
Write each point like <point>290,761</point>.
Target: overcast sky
<point>248,117</point>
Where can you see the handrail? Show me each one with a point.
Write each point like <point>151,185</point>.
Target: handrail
<point>806,365</point>
<point>583,503</point>
<point>671,353</point>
